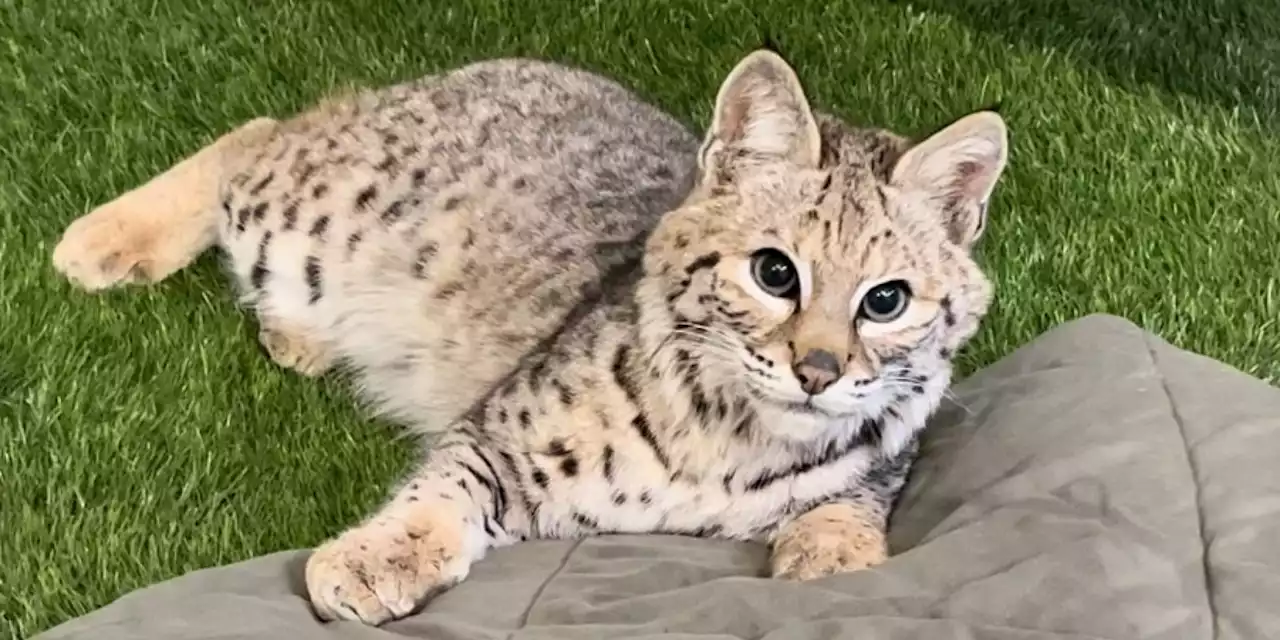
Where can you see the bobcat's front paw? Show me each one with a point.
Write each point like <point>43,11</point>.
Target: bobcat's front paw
<point>383,571</point>
<point>828,540</point>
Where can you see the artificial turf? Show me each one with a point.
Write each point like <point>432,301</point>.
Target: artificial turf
<point>143,435</point>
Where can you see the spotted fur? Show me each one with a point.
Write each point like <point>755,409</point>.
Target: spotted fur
<point>555,279</point>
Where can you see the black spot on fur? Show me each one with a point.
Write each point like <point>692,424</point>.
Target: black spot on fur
<point>526,419</point>
<point>320,227</point>
<point>308,171</point>
<point>697,532</point>
<point>703,262</point>
<point>393,212</point>
<point>448,290</point>
<point>262,184</point>
<point>540,478</point>
<point>508,387</point>
<point>641,424</point>
<point>556,447</point>
<point>480,478</point>
<point>425,253</point>
<point>258,274</point>
<point>419,177</point>
<point>495,488</point>
<point>563,392</point>
<point>607,462</point>
<point>675,294</point>
<point>290,217</point>
<point>722,408</point>
<point>537,369</point>
<point>319,190</point>
<point>312,272</point>
<point>585,521</point>
<point>872,431</point>
<point>701,406</point>
<point>620,374</point>
<point>509,461</point>
<point>366,197</point>
<point>569,466</point>
<point>948,315</point>
<point>619,498</point>
<point>489,529</point>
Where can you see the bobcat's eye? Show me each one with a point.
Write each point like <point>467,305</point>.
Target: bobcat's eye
<point>885,302</point>
<point>776,274</point>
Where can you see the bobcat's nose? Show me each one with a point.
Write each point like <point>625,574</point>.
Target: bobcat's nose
<point>817,370</point>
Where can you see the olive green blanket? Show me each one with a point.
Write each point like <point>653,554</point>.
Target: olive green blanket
<point>1096,484</point>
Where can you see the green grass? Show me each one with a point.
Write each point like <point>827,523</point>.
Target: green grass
<point>141,433</point>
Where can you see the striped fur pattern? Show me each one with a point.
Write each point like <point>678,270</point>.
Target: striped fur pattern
<point>557,282</point>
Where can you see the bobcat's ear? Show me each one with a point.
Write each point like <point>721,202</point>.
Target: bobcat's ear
<point>761,115</point>
<point>956,170</point>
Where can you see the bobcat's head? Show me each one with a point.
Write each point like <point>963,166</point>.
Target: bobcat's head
<point>820,270</point>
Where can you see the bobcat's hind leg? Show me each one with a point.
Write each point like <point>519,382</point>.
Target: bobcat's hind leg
<point>293,347</point>
<point>160,227</point>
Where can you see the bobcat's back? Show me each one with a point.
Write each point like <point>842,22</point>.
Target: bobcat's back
<point>430,233</point>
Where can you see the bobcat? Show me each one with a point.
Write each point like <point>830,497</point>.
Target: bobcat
<point>605,325</point>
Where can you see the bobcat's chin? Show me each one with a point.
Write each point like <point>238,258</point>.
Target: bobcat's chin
<point>784,421</point>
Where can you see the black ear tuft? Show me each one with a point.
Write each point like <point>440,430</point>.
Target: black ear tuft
<point>995,106</point>
<point>770,43</point>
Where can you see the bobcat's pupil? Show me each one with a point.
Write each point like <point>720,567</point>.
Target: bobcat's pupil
<point>886,301</point>
<point>775,273</point>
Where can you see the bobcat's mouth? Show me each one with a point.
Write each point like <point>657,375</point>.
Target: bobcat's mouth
<point>807,407</point>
